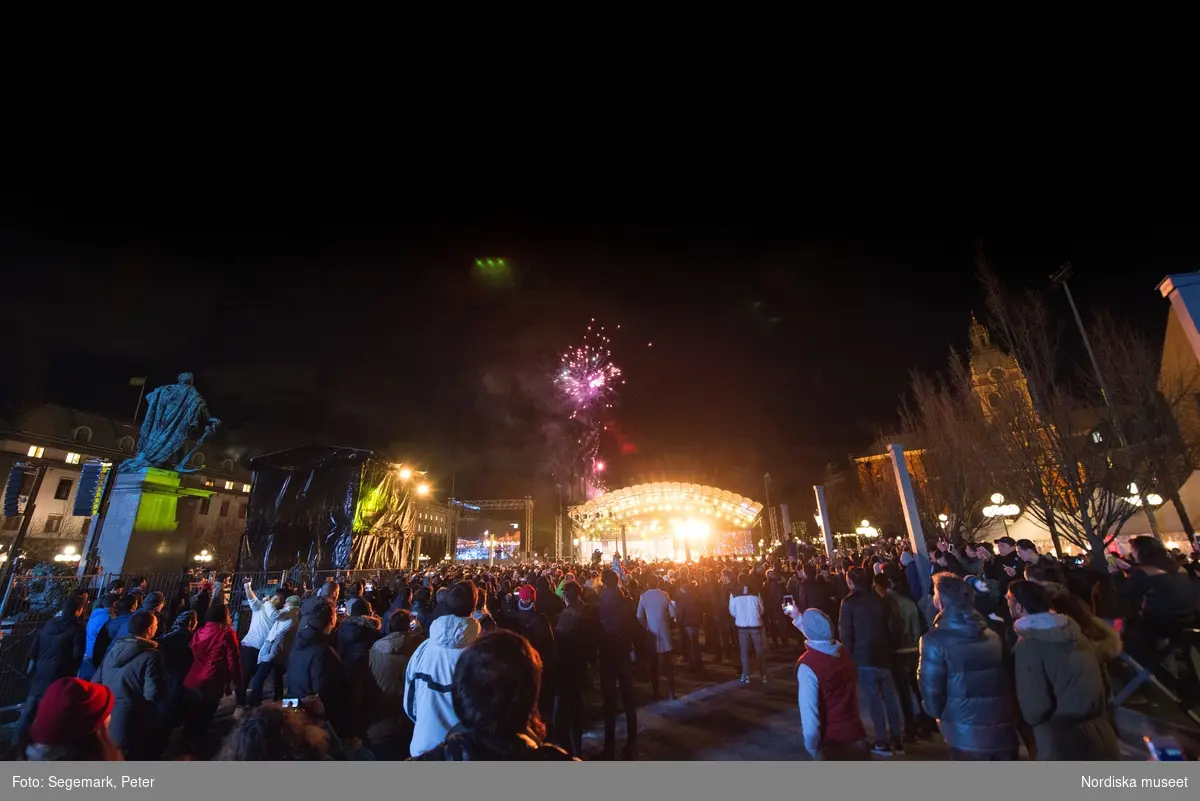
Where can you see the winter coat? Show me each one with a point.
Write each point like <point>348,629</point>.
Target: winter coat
<point>354,641</point>
<point>463,746</point>
<point>689,609</point>
<point>812,593</point>
<point>868,627</point>
<point>216,661</point>
<point>965,684</point>
<point>134,670</point>
<point>618,623</point>
<point>535,627</point>
<point>576,640</point>
<point>55,652</point>
<point>911,627</point>
<point>115,628</point>
<point>747,610</point>
<point>262,615</point>
<point>1062,690</point>
<point>387,661</point>
<point>96,622</point>
<point>315,669</point>
<point>654,613</point>
<point>429,677</point>
<point>176,649</point>
<point>277,647</point>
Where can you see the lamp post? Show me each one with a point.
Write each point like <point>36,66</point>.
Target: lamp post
<point>1060,279</point>
<point>204,557</point>
<point>1001,510</point>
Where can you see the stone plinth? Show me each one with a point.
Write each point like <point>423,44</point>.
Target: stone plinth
<point>138,532</point>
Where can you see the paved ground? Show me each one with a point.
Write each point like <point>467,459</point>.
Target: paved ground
<point>721,719</point>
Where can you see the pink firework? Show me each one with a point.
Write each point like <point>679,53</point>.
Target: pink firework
<point>587,377</point>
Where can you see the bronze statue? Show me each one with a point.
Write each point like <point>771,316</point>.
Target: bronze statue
<point>173,411</point>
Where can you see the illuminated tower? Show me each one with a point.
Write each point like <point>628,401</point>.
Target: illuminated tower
<point>994,373</point>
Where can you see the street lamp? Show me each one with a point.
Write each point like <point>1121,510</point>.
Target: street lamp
<point>204,557</point>
<point>68,555</point>
<point>944,520</point>
<point>405,473</point>
<point>867,530</point>
<point>1135,497</point>
<point>1001,510</point>
<point>422,490</point>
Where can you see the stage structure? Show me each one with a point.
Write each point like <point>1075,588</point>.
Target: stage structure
<point>477,531</point>
<point>329,508</point>
<point>667,520</point>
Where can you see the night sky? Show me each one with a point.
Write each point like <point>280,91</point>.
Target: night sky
<point>777,345</point>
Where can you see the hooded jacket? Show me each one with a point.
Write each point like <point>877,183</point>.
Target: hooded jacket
<point>1062,690</point>
<point>828,697</point>
<point>747,610</point>
<point>277,646</point>
<point>216,661</point>
<point>429,677</point>
<point>96,621</point>
<point>966,686</point>
<point>56,651</point>
<point>133,669</point>
<point>354,641</point>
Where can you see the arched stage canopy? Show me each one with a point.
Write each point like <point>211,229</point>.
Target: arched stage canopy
<point>663,514</point>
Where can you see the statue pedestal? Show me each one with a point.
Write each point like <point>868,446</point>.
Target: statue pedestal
<point>137,534</point>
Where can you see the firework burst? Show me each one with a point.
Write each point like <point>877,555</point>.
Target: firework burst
<point>587,381</point>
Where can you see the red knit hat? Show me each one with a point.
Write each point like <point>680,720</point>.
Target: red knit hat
<point>70,709</point>
<point>526,594</point>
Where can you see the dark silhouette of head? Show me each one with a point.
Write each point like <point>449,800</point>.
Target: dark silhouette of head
<point>496,686</point>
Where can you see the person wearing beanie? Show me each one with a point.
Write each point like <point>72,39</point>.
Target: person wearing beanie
<point>71,724</point>
<point>275,651</point>
<point>531,623</point>
<point>134,670</point>
<point>828,692</point>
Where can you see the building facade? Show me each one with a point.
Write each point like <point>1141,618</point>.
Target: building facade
<point>63,439</point>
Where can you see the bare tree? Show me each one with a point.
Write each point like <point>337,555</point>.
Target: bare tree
<point>1038,448</point>
<point>1151,403</point>
<point>945,414</point>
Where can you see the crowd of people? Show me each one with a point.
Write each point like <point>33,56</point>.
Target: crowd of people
<point>1008,648</point>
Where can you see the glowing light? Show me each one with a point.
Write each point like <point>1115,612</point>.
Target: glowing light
<point>997,498</point>
<point>405,473</point>
<point>423,490</point>
<point>600,466</point>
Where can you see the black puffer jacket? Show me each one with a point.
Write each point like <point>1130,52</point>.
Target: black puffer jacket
<point>868,628</point>
<point>315,669</point>
<point>56,651</point>
<point>462,746</point>
<point>966,684</point>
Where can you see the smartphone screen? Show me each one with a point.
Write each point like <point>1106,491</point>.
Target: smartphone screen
<point>788,602</point>
<point>291,703</point>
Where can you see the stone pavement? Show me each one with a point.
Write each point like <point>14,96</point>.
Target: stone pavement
<point>725,720</point>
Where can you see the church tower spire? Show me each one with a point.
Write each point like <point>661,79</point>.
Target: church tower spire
<point>980,338</point>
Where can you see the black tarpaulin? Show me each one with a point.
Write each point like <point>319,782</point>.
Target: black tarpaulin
<point>302,508</point>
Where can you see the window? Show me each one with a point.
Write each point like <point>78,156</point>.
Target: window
<point>228,485</point>
<point>994,400</point>
<point>36,452</point>
<point>198,460</point>
<point>996,374</point>
<point>1097,437</point>
<point>227,465</point>
<point>125,445</point>
<point>224,508</point>
<point>208,482</point>
<point>83,434</point>
<point>53,524</point>
<point>242,511</point>
<point>72,458</point>
<point>63,491</point>
<point>245,488</point>
<point>12,523</point>
<point>204,504</point>
<point>27,481</point>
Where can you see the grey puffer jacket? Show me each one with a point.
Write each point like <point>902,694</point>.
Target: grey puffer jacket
<point>966,684</point>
